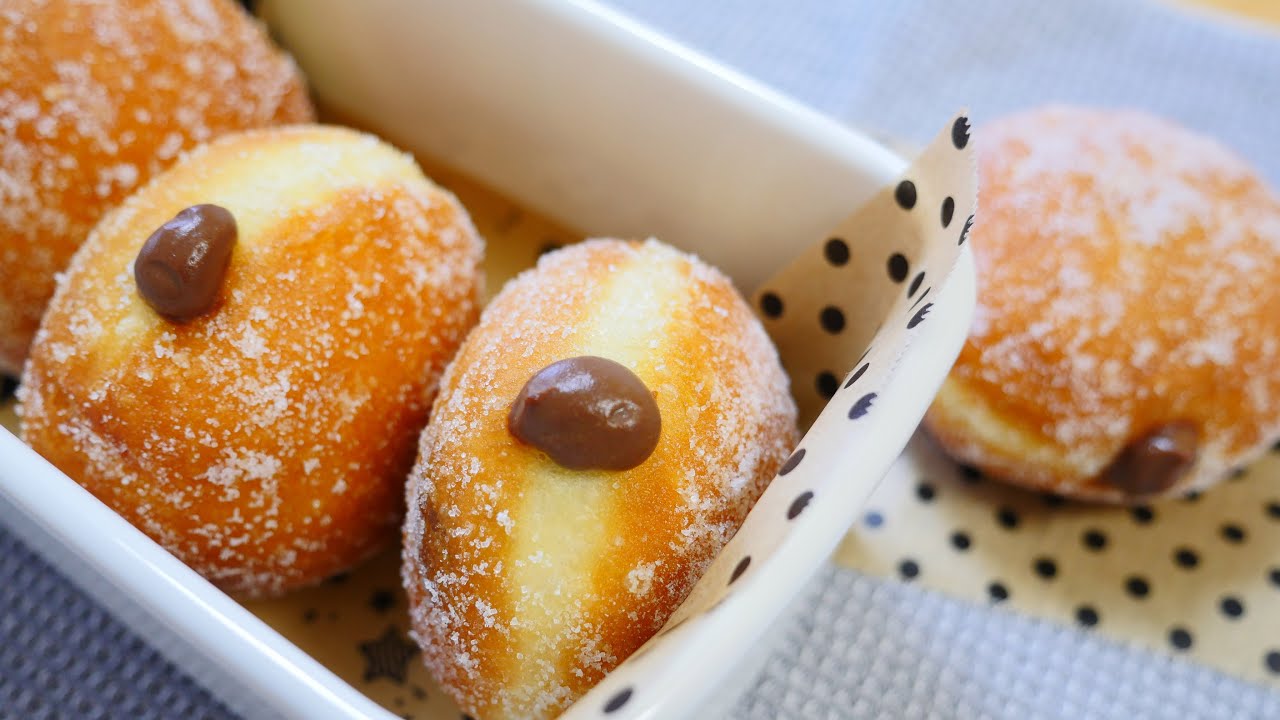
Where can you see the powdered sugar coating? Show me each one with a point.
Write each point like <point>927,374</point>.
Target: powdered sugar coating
<point>529,582</point>
<point>96,96</point>
<point>1128,270</point>
<point>266,443</point>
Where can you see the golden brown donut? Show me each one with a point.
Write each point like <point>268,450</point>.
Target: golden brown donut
<point>1126,342</point>
<point>96,96</point>
<point>266,442</point>
<point>529,581</point>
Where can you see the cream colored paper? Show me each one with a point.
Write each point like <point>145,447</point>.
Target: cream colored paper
<point>865,283</point>
<point>1141,574</point>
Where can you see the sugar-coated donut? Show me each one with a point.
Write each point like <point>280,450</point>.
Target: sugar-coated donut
<point>1126,343</point>
<point>266,441</point>
<point>96,96</point>
<point>527,580</point>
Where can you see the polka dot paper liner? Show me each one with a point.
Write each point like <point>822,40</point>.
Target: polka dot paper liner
<point>883,261</point>
<point>1197,577</point>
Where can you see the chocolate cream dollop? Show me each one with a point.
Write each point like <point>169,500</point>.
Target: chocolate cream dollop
<point>587,413</point>
<point>182,265</point>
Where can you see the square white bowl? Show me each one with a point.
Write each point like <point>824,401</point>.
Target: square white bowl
<point>582,114</point>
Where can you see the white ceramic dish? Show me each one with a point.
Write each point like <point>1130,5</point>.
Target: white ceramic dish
<point>581,114</point>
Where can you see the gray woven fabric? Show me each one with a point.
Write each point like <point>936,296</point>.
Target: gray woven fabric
<point>63,656</point>
<point>902,68</point>
<point>865,648</point>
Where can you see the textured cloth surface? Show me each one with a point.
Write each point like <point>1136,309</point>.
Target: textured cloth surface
<point>865,648</point>
<point>901,68</point>
<point>63,656</point>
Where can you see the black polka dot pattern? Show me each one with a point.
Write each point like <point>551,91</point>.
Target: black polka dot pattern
<point>905,194</point>
<point>948,211</point>
<point>926,492</point>
<point>1273,510</point>
<point>799,504</point>
<point>1233,533</point>
<point>832,319</point>
<point>1007,518</point>
<point>915,284</point>
<point>826,384</point>
<point>792,462</point>
<point>898,267</point>
<point>1087,616</point>
<point>739,569</point>
<point>1137,587</point>
<point>1094,540</point>
<point>964,233</point>
<point>1180,639</point>
<point>862,369</point>
<point>1186,558</point>
<point>1274,577</point>
<point>919,316</point>
<point>909,569</point>
<point>771,305</point>
<point>1272,661</point>
<point>1046,568</point>
<point>862,406</point>
<point>836,251</point>
<point>961,541</point>
<point>997,592</point>
<point>960,132</point>
<point>618,701</point>
<point>920,299</point>
<point>1232,607</point>
<point>1142,514</point>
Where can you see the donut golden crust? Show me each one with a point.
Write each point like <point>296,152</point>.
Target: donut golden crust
<point>1129,272</point>
<point>527,581</point>
<point>96,96</point>
<point>265,443</point>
